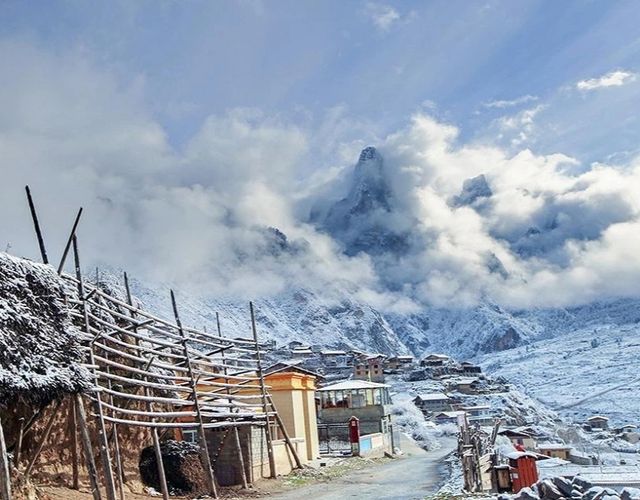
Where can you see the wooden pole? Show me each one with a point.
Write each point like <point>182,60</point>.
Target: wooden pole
<point>272,462</point>
<point>36,224</point>
<point>71,238</point>
<point>236,433</point>
<point>18,449</point>
<point>43,441</point>
<point>114,426</point>
<point>162,477</point>
<point>5,472</point>
<point>104,443</point>
<point>204,450</point>
<point>87,448</point>
<point>287,439</point>
<point>74,445</point>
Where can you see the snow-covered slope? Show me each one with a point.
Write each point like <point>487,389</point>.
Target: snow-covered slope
<point>340,322</point>
<point>579,373</point>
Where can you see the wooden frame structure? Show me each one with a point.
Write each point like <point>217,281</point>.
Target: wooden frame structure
<point>153,373</point>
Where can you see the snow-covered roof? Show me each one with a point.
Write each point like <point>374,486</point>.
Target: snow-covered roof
<point>352,385</point>
<point>466,381</point>
<point>450,414</point>
<point>40,355</point>
<point>476,407</point>
<point>597,417</point>
<point>434,396</point>
<point>553,446</point>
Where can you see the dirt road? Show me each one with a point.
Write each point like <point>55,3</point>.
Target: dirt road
<point>415,475</point>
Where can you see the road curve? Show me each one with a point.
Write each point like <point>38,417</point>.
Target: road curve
<point>415,475</point>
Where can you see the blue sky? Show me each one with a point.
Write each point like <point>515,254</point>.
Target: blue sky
<point>379,61</point>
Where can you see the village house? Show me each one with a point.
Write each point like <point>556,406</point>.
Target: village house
<point>395,363</point>
<point>480,414</point>
<point>368,401</point>
<point>435,360</point>
<point>448,417</point>
<point>519,438</point>
<point>466,385</point>
<point>301,352</point>
<point>433,402</point>
<point>467,368</point>
<point>554,450</point>
<point>598,422</point>
<point>370,368</point>
<point>628,432</point>
<point>339,359</point>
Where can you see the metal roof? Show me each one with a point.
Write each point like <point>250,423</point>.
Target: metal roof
<point>352,385</point>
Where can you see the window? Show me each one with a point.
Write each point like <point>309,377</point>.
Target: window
<point>358,398</point>
<point>377,397</point>
<point>369,393</point>
<point>190,436</point>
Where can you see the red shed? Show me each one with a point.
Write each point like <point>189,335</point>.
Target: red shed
<point>524,472</point>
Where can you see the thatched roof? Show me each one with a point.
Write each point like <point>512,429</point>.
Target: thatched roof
<point>40,356</point>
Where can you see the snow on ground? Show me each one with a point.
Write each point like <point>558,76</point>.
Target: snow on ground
<point>590,371</point>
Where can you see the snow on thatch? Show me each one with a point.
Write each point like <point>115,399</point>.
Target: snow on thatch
<point>40,355</point>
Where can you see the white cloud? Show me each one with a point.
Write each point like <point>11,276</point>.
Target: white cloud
<point>383,16</point>
<point>501,104</point>
<point>612,79</point>
<point>200,214</point>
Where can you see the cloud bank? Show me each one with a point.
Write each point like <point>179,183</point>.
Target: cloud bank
<point>226,212</point>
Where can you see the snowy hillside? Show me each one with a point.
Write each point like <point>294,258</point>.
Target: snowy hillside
<point>298,314</point>
<point>580,373</point>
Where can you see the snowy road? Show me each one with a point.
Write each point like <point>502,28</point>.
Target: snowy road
<point>415,475</point>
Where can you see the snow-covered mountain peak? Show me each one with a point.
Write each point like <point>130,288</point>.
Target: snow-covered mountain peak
<point>474,189</point>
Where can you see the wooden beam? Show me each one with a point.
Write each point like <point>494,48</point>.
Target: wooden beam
<point>263,390</point>
<point>285,434</point>
<point>204,450</point>
<point>75,456</point>
<point>5,472</point>
<point>71,238</point>
<point>36,225</point>
<point>18,449</point>
<point>43,441</point>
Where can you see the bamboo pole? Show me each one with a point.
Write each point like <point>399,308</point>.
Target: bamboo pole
<point>87,448</point>
<point>5,472</point>
<point>236,433</point>
<point>69,241</point>
<point>43,441</point>
<point>263,390</point>
<point>36,225</point>
<point>104,445</point>
<point>204,450</point>
<point>162,477</point>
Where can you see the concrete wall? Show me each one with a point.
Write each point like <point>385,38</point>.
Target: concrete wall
<point>373,445</point>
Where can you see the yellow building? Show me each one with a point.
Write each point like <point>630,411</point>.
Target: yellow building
<point>293,395</point>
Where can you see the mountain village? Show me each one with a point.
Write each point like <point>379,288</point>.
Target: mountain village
<point>115,401</point>
<point>319,250</point>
